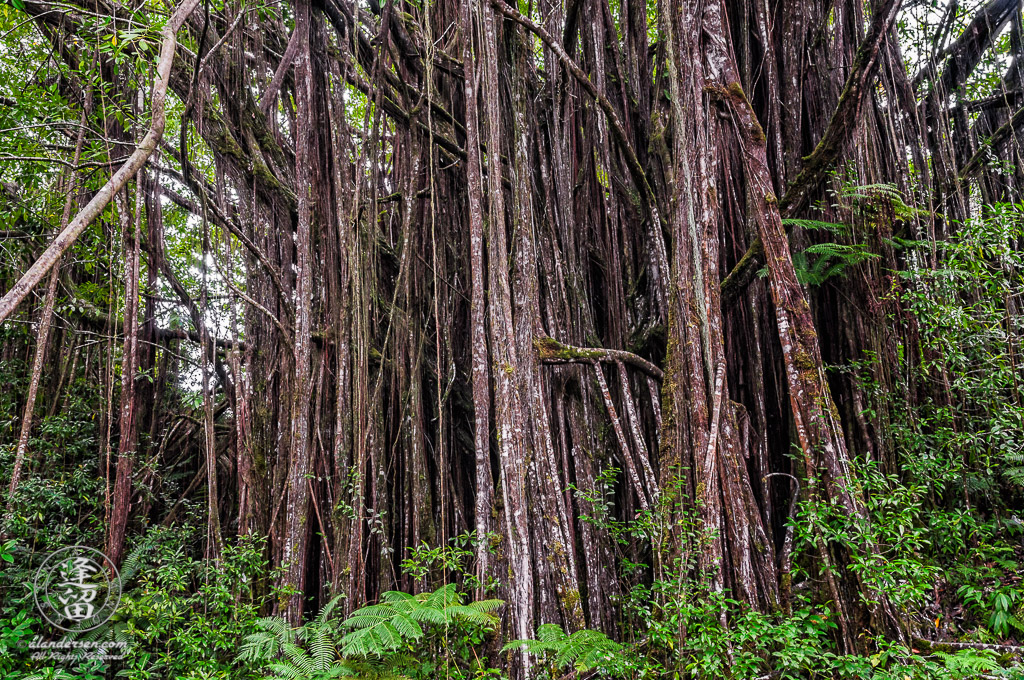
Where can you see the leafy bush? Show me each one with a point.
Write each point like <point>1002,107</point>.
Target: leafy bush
<point>185,616</point>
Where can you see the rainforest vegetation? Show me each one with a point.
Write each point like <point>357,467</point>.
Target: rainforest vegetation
<point>522,339</point>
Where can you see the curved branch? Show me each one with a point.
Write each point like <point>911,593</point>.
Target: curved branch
<point>551,351</point>
<point>99,202</point>
<point>965,54</point>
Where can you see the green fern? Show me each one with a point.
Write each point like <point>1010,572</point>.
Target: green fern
<point>382,640</point>
<point>831,259</point>
<point>865,191</point>
<point>1014,472</point>
<point>978,662</point>
<point>1014,475</point>
<point>308,652</point>
<point>266,643</point>
<point>399,619</point>
<point>584,650</point>
<point>889,192</point>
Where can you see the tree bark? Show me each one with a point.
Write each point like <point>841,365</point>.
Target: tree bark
<point>296,535</point>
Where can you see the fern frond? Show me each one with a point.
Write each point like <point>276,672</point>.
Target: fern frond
<point>328,609</point>
<point>1014,475</point>
<point>274,626</point>
<point>873,190</point>
<point>259,647</point>
<point>469,615</point>
<point>390,638</point>
<point>407,626</point>
<point>486,606</point>
<point>321,649</point>
<point>396,597</point>
<point>444,597</point>
<point>550,632</point>
<point>974,661</point>
<point>283,670</point>
<point>535,647</point>
<point>428,614</point>
<point>298,657</point>
<point>370,615</point>
<point>585,649</point>
<point>400,619</point>
<point>376,641</point>
<point>358,643</point>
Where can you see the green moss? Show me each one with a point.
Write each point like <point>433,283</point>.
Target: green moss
<point>549,348</point>
<point>803,361</point>
<point>571,600</point>
<point>739,99</point>
<point>223,141</point>
<point>757,132</point>
<point>736,90</point>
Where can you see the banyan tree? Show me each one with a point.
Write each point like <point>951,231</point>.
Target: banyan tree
<point>447,267</point>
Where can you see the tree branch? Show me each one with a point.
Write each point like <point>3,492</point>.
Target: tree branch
<point>99,202</point>
<point>996,140</point>
<point>837,135</point>
<point>269,96</point>
<point>551,351</point>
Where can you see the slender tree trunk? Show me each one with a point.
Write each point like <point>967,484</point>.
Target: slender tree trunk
<point>128,422</point>
<point>478,330</point>
<point>38,360</point>
<point>45,321</point>
<point>509,414</point>
<point>297,528</point>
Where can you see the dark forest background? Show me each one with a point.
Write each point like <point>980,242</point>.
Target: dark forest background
<point>677,338</point>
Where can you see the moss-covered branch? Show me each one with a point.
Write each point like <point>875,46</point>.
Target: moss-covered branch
<point>552,351</point>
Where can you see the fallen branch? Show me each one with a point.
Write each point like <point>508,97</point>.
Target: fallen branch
<point>117,181</point>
